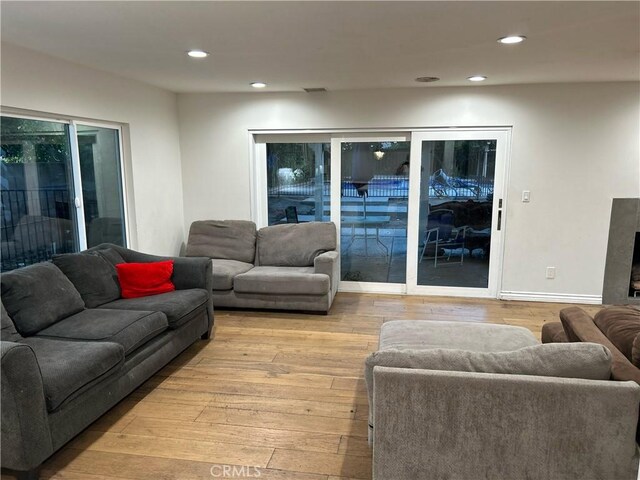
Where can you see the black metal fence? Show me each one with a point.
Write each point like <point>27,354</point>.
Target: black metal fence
<point>395,186</point>
<point>35,225</point>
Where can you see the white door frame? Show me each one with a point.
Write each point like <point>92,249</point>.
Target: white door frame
<point>503,147</point>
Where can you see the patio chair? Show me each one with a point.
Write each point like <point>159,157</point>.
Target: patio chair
<point>442,234</point>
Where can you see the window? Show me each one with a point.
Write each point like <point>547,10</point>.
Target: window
<point>298,176</point>
<point>56,198</point>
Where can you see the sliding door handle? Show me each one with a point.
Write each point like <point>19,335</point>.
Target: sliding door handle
<point>499,220</point>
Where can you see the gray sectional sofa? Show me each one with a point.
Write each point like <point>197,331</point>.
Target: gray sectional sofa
<point>464,400</point>
<point>285,267</point>
<point>71,348</point>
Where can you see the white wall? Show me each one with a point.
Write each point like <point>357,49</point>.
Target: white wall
<point>574,146</point>
<point>37,82</point>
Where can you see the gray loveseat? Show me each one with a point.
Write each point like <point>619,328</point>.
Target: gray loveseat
<point>71,348</point>
<point>286,267</point>
<point>464,400</point>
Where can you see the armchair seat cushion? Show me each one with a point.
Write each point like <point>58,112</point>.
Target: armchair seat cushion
<point>475,337</point>
<point>282,280</point>
<point>224,271</point>
<point>131,329</point>
<point>69,368</point>
<point>178,306</point>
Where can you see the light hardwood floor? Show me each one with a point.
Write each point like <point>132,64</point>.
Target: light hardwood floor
<point>278,392</point>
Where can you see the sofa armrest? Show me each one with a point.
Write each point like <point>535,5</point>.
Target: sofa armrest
<point>26,438</point>
<point>328,263</point>
<point>579,327</point>
<point>436,424</point>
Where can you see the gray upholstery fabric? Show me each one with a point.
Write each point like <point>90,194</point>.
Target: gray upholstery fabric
<point>92,276</point>
<point>111,255</point>
<point>295,244</point>
<point>460,425</point>
<point>569,360</point>
<point>477,337</point>
<point>77,413</point>
<point>38,296</point>
<point>70,367</point>
<point>131,329</point>
<point>188,273</point>
<point>310,303</point>
<point>26,439</point>
<point>224,272</point>
<point>8,332</point>
<point>226,239</point>
<point>282,280</point>
<point>178,306</point>
<point>328,263</point>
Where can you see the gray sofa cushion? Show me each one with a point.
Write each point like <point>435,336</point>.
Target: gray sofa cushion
<point>227,239</point>
<point>294,245</point>
<point>282,280</point>
<point>92,276</point>
<point>178,306</point>
<point>38,296</point>
<point>131,329</point>
<point>70,367</point>
<point>8,332</point>
<point>477,337</point>
<point>224,271</point>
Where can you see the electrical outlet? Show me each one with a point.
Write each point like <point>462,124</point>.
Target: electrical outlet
<point>551,273</point>
<point>526,196</point>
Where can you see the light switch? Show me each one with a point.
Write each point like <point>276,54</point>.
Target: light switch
<point>526,196</point>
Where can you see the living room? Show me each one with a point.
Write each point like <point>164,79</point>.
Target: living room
<point>194,134</point>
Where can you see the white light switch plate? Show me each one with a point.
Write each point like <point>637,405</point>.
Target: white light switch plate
<point>526,196</point>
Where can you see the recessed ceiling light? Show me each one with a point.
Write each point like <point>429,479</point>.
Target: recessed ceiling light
<point>197,53</point>
<point>427,79</point>
<point>511,39</point>
<point>258,84</point>
<point>477,78</point>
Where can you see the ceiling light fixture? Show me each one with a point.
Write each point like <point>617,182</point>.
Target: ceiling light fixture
<point>258,84</point>
<point>477,78</point>
<point>511,39</point>
<point>197,53</point>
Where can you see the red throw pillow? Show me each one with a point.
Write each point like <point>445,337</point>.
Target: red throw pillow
<point>144,279</point>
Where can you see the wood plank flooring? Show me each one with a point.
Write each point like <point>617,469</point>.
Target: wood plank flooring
<point>278,392</point>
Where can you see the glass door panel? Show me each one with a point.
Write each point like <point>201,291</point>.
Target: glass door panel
<point>459,211</point>
<point>102,195</point>
<point>374,198</point>
<point>38,209</point>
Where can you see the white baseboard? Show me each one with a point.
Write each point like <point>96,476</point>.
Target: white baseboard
<point>551,297</point>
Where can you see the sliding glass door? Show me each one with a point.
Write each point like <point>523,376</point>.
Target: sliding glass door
<point>370,206</point>
<point>457,212</point>
<point>419,212</point>
<point>61,189</point>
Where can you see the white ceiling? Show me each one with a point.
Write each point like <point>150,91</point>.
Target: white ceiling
<point>337,45</point>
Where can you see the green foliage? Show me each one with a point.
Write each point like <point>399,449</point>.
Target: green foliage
<point>27,141</point>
